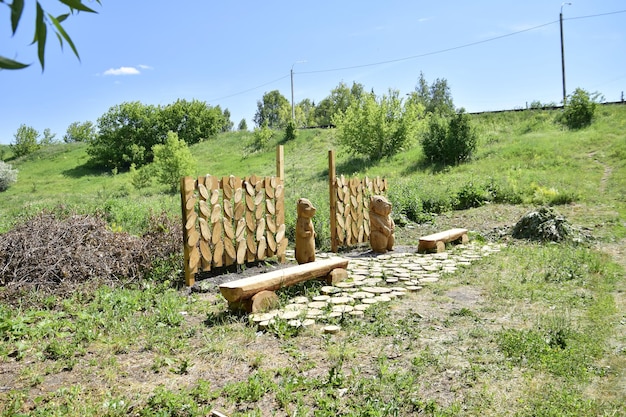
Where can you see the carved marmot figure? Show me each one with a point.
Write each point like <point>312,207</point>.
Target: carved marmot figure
<point>305,234</point>
<point>381,224</point>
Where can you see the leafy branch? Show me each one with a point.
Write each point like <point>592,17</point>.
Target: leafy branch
<point>43,20</point>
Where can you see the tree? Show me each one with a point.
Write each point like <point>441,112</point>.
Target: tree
<point>80,132</point>
<point>436,99</point>
<point>48,137</point>
<point>579,109</point>
<point>242,125</point>
<point>43,21</point>
<point>338,101</point>
<point>449,140</point>
<point>378,127</point>
<point>305,113</point>
<point>26,141</point>
<point>194,121</point>
<point>127,133</point>
<point>173,160</point>
<point>228,124</point>
<point>274,110</point>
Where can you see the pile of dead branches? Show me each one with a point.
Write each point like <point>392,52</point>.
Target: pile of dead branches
<point>52,250</point>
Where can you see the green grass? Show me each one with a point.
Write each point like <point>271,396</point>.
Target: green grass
<point>544,336</point>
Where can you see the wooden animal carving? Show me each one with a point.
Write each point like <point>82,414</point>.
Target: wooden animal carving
<point>381,224</point>
<point>305,234</point>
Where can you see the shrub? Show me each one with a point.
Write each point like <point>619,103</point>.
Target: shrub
<point>449,140</point>
<point>262,136</point>
<point>142,177</point>
<point>8,176</point>
<point>406,201</point>
<point>471,195</point>
<point>25,141</point>
<point>377,128</point>
<point>172,161</point>
<point>579,110</point>
<point>290,131</point>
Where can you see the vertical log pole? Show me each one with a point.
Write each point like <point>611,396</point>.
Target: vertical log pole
<point>184,195</point>
<point>280,200</point>
<point>332,180</point>
<point>280,163</point>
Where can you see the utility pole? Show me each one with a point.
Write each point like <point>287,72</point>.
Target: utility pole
<point>563,53</point>
<point>293,109</point>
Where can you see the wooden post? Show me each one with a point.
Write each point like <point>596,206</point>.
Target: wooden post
<point>280,163</point>
<point>185,192</point>
<point>332,180</point>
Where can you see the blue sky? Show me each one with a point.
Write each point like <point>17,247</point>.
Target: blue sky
<point>231,53</point>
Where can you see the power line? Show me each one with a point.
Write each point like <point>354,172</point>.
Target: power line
<point>441,51</point>
<point>595,15</point>
<point>250,89</point>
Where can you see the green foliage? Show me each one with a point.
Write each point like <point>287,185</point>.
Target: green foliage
<point>449,140</point>
<point>129,131</point>
<point>579,110</point>
<point>26,141</point>
<point>471,195</point>
<point>227,124</point>
<point>194,121</point>
<point>291,131</point>
<point>126,136</point>
<point>47,138</point>
<point>43,20</point>
<point>80,132</point>
<point>273,109</point>
<point>340,98</point>
<point>261,137</point>
<point>172,161</point>
<point>142,177</point>
<point>436,99</point>
<point>377,128</point>
<point>8,176</point>
<point>242,125</point>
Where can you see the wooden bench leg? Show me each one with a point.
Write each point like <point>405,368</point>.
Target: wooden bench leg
<point>261,301</point>
<point>441,246</point>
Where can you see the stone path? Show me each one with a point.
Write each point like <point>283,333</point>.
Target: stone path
<point>371,280</point>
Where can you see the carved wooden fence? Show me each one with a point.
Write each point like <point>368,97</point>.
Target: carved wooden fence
<point>232,220</point>
<point>349,206</point>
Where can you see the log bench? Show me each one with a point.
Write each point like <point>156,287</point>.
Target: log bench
<point>437,241</point>
<point>256,293</point>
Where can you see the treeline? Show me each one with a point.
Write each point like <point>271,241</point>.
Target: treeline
<point>368,125</point>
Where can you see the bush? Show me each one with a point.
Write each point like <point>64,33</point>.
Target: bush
<point>471,195</point>
<point>26,139</point>
<point>172,161</point>
<point>449,140</point>
<point>8,176</point>
<point>261,137</point>
<point>579,110</point>
<point>291,132</point>
<point>377,128</point>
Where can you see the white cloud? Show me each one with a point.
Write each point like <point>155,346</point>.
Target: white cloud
<point>122,71</point>
<point>145,67</point>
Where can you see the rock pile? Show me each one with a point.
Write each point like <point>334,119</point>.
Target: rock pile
<point>546,225</point>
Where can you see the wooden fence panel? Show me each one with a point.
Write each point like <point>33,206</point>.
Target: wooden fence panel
<point>230,220</point>
<point>349,206</point>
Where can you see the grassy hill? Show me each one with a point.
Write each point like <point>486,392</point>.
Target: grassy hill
<point>536,330</point>
<point>523,157</point>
